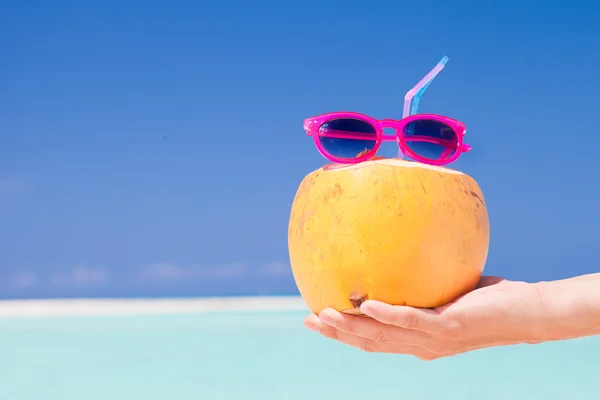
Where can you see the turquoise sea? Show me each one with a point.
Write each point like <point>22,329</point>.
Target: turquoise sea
<point>264,355</point>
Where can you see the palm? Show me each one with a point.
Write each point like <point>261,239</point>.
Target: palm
<point>490,290</point>
<point>495,303</point>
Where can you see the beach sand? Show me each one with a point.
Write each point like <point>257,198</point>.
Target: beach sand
<point>113,307</point>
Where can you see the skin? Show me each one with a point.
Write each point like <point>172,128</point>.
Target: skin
<point>497,313</point>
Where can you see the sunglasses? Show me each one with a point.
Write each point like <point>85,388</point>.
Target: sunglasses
<point>348,137</point>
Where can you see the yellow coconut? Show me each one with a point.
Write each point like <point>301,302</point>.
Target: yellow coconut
<point>400,232</point>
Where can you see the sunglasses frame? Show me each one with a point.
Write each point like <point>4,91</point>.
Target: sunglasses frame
<point>312,127</point>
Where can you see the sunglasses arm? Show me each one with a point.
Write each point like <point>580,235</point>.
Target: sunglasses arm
<point>338,134</point>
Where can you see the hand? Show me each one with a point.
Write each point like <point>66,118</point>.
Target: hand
<point>496,313</point>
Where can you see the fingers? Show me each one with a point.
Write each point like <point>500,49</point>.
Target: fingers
<point>370,328</point>
<point>419,319</point>
<point>369,345</point>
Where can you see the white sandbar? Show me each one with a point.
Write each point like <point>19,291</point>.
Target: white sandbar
<point>110,307</point>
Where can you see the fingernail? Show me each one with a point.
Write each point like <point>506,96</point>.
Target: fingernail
<point>327,320</point>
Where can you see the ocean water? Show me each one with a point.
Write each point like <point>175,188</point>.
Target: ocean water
<point>265,355</point>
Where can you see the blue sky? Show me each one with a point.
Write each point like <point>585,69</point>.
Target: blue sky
<point>154,148</point>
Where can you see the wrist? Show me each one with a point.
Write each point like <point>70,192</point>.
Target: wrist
<point>568,309</point>
<point>533,324</point>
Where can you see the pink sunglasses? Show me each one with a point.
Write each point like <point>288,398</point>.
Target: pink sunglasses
<point>348,137</point>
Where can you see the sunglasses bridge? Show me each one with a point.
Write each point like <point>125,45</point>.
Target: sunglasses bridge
<point>389,124</point>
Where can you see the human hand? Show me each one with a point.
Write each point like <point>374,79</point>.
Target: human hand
<point>496,313</point>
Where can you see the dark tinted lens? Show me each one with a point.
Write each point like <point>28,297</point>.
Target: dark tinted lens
<point>347,138</point>
<point>430,139</point>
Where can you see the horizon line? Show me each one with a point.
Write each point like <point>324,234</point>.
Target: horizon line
<point>81,307</point>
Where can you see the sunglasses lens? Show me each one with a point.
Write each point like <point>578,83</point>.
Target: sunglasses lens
<point>430,139</point>
<point>347,138</point>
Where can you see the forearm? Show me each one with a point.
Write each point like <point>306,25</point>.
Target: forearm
<point>571,307</point>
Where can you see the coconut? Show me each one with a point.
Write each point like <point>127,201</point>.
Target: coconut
<point>396,231</point>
